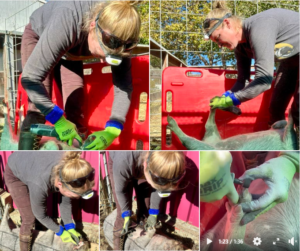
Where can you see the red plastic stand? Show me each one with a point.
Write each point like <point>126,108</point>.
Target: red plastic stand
<point>99,95</point>
<point>192,89</point>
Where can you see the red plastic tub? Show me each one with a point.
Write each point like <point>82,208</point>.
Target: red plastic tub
<point>99,94</point>
<point>192,89</point>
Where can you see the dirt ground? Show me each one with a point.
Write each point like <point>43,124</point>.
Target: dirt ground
<point>183,232</point>
<point>176,229</point>
<point>103,243</point>
<point>90,231</point>
<point>92,234</point>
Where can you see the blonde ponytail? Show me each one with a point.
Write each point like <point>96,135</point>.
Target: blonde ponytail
<point>120,18</point>
<point>133,3</point>
<point>220,5</point>
<point>72,167</point>
<point>70,155</point>
<point>165,164</point>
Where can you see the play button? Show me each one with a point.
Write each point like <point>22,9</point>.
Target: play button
<point>208,241</point>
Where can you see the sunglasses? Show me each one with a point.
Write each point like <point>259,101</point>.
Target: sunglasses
<point>113,42</point>
<point>86,195</point>
<point>207,21</point>
<point>79,182</point>
<point>163,181</point>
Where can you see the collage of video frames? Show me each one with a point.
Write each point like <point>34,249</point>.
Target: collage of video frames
<point>149,125</point>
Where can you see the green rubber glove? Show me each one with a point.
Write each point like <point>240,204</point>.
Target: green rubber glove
<point>66,130</point>
<point>103,139</point>
<point>221,102</point>
<point>151,221</point>
<point>126,225</point>
<point>75,235</point>
<point>66,237</point>
<point>277,174</point>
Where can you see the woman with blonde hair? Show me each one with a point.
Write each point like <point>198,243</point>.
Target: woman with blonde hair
<point>272,35</point>
<point>44,173</point>
<point>153,175</point>
<point>59,36</point>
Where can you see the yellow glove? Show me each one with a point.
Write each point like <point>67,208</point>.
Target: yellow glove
<point>103,139</point>
<point>228,99</point>
<point>66,237</point>
<point>126,225</point>
<point>66,131</point>
<point>75,235</point>
<point>220,102</point>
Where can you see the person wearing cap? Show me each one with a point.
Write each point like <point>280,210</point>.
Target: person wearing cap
<point>59,36</point>
<point>153,175</point>
<point>44,173</point>
<point>272,35</point>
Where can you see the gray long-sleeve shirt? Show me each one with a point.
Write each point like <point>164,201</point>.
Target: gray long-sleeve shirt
<point>34,170</point>
<point>126,166</point>
<point>262,32</point>
<point>59,27</point>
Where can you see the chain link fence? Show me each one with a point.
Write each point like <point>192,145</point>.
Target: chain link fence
<point>11,33</point>
<point>177,27</point>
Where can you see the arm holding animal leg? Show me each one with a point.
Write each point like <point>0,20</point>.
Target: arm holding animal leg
<point>228,99</point>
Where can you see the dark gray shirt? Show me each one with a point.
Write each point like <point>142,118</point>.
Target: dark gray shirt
<point>59,27</point>
<point>34,170</point>
<point>126,166</point>
<point>262,32</point>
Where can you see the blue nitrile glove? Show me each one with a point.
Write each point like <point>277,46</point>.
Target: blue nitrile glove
<point>152,219</point>
<point>102,139</point>
<point>126,216</point>
<point>65,236</point>
<point>277,174</point>
<point>71,229</point>
<point>228,99</point>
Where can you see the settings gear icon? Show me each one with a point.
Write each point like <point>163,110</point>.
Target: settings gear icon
<point>257,241</point>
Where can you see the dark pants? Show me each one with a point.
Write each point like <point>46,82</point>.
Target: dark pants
<point>143,191</point>
<point>20,194</point>
<point>286,86</point>
<point>67,74</point>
